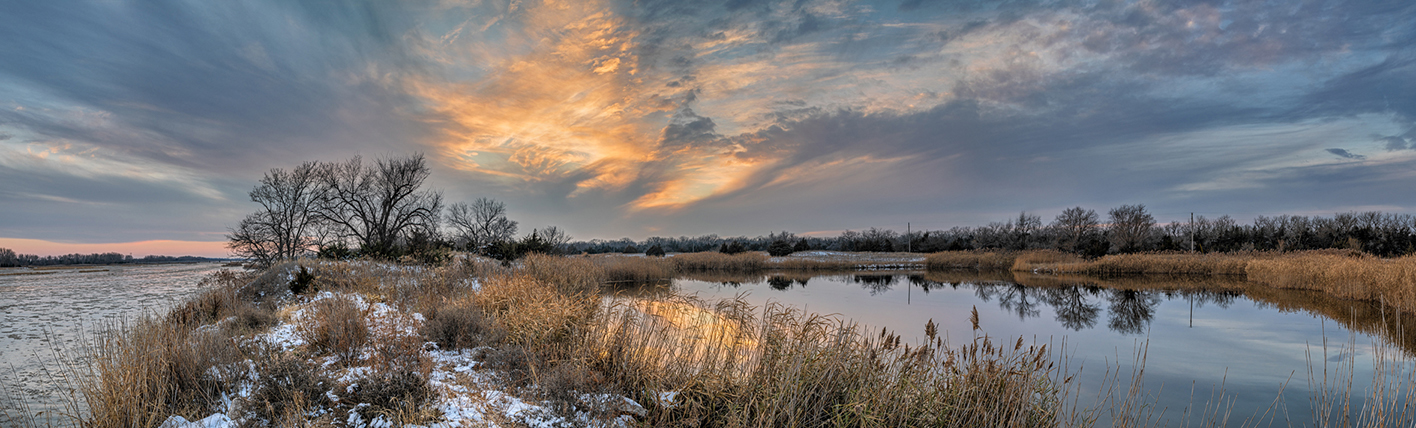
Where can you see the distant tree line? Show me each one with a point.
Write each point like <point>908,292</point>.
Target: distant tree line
<point>8,258</point>
<point>1125,229</point>
<point>374,209</point>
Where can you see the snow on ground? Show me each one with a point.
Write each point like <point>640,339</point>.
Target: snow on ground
<point>467,394</point>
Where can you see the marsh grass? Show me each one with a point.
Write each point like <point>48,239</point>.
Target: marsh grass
<point>731,364</point>
<point>1350,276</point>
<point>336,326</point>
<point>719,262</point>
<point>620,270</point>
<point>976,260</point>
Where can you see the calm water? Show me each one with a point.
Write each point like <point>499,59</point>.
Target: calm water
<point>1196,335</point>
<point>41,313</point>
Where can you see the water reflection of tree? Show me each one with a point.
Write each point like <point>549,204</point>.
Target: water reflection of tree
<point>926,284</point>
<point>1017,298</point>
<point>1070,303</point>
<point>779,282</point>
<point>1131,310</point>
<point>875,283</point>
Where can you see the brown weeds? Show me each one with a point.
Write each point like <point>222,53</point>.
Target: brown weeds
<point>715,261</point>
<point>976,260</point>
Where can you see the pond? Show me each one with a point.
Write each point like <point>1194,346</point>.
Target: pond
<point>1196,336</point>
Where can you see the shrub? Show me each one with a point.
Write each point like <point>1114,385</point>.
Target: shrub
<point>396,394</point>
<point>779,248</point>
<point>302,281</point>
<point>629,249</point>
<point>654,251</point>
<point>801,245</point>
<point>461,326</point>
<point>337,326</point>
<point>733,247</point>
<point>286,387</point>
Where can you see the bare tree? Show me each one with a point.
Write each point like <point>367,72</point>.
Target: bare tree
<point>252,240</point>
<point>285,226</point>
<point>378,205</point>
<point>1073,225</point>
<point>481,223</point>
<point>556,238</point>
<point>1025,230</point>
<point>1130,227</point>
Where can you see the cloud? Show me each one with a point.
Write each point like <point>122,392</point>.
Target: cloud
<point>1394,142</point>
<point>619,117</point>
<point>1346,154</point>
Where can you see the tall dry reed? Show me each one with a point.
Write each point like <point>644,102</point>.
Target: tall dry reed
<point>629,269</point>
<point>715,261</point>
<point>977,260</point>
<point>734,365</point>
<point>1356,276</point>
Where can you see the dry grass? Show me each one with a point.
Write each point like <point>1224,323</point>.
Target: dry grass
<point>138,374</point>
<point>734,366</point>
<point>1356,276</point>
<point>719,262</point>
<point>621,269</point>
<point>1160,264</point>
<point>535,313</point>
<point>976,260</point>
<point>337,326</point>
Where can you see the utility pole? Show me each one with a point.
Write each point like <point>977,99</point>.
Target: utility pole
<point>1192,232</point>
<point>908,239</point>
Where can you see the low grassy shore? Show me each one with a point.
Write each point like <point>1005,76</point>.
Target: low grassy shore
<point>1341,273</point>
<point>475,343</point>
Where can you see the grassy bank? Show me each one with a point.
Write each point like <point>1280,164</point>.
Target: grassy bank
<point>1341,273</point>
<point>331,343</point>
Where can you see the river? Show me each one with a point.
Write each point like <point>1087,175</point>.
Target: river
<point>46,310</point>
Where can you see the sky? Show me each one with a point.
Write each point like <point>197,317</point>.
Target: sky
<point>142,125</point>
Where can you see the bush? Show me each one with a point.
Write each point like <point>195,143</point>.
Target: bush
<point>801,245</point>
<point>336,251</point>
<point>629,249</point>
<point>287,387</point>
<point>337,327</point>
<point>302,280</point>
<point>654,251</point>
<point>399,392</point>
<point>734,247</point>
<point>779,248</point>
<point>461,327</point>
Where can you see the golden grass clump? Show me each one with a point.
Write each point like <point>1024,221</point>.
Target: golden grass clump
<point>1033,260</point>
<point>534,312</point>
<point>622,269</point>
<point>336,325</point>
<point>573,275</point>
<point>1356,276</point>
<point>1161,264</point>
<point>138,374</point>
<point>977,260</point>
<point>733,366</point>
<point>715,261</point>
